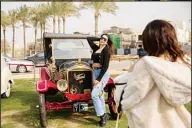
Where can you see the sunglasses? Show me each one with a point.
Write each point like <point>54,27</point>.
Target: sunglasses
<point>102,38</point>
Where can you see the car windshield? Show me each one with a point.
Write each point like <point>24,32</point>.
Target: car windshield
<point>71,49</point>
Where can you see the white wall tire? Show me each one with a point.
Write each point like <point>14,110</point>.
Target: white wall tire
<point>21,69</point>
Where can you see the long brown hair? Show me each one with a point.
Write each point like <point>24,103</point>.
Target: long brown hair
<point>110,44</point>
<point>159,38</point>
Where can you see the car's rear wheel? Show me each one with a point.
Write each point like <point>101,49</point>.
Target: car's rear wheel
<point>42,110</point>
<point>8,91</point>
<point>22,69</point>
<point>113,106</point>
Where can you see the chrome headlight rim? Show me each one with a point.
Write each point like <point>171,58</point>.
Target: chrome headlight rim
<point>62,85</point>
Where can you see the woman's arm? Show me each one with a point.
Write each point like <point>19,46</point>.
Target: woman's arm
<point>92,44</point>
<point>105,63</point>
<point>123,78</point>
<point>138,86</point>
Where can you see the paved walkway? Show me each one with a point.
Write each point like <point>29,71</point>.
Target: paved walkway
<point>116,68</point>
<point>31,74</point>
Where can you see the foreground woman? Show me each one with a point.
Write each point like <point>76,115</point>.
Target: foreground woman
<point>160,84</point>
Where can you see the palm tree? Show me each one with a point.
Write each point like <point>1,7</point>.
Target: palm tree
<point>67,9</point>
<point>23,14</point>
<point>4,23</point>
<point>13,20</point>
<point>43,13</point>
<point>52,10</point>
<point>57,6</point>
<point>98,7</point>
<point>34,20</point>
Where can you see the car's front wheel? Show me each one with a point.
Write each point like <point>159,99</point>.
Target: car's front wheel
<point>22,69</point>
<point>112,105</point>
<point>8,91</point>
<point>42,110</point>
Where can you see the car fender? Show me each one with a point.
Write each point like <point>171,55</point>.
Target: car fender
<point>45,85</point>
<point>44,74</point>
<point>109,83</point>
<point>5,78</point>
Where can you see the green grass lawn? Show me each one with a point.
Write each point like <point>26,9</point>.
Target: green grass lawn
<point>20,111</point>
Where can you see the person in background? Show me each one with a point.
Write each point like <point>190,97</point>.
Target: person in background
<point>159,84</point>
<point>141,52</point>
<point>100,58</point>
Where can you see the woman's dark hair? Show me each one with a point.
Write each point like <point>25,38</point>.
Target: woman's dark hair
<point>110,44</point>
<point>159,37</point>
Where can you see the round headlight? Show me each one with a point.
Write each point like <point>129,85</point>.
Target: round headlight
<point>62,85</point>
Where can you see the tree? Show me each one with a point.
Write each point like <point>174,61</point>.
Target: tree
<point>34,20</point>
<point>7,47</point>
<point>52,11</point>
<point>98,7</point>
<point>66,9</point>
<point>23,15</point>
<point>13,15</point>
<point>5,22</point>
<point>43,13</point>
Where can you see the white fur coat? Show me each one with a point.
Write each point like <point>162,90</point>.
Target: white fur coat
<point>155,94</point>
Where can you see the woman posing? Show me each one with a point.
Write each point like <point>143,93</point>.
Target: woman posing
<point>100,63</point>
<point>160,84</point>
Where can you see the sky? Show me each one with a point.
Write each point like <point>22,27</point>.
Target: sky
<point>133,15</point>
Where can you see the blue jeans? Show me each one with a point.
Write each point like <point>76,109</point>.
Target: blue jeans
<point>99,101</point>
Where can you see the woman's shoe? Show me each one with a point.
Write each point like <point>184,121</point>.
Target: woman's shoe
<point>103,120</point>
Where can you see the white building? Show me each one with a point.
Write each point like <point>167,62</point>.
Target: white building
<point>183,33</point>
<point>124,33</point>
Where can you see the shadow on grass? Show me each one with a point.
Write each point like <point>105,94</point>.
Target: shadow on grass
<point>25,98</point>
<point>30,117</point>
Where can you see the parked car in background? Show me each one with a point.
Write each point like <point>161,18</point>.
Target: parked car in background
<point>37,58</point>
<point>21,66</point>
<point>6,79</point>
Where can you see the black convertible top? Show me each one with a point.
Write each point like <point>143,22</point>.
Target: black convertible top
<point>65,36</point>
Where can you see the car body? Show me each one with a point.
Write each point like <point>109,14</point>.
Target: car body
<point>21,66</point>
<point>6,79</point>
<point>38,59</point>
<point>68,72</point>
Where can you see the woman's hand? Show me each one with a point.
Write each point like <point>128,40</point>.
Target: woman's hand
<point>96,83</point>
<point>131,68</point>
<point>96,65</point>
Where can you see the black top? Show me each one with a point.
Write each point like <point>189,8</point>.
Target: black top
<point>96,57</point>
<point>104,56</point>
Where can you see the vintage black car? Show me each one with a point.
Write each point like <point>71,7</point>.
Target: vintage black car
<point>38,59</point>
<point>68,71</point>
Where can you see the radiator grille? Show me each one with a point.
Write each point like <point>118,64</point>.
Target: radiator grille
<point>80,82</point>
